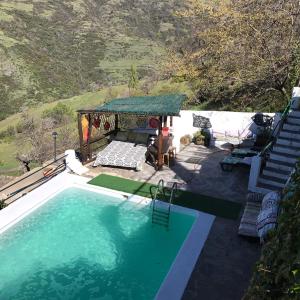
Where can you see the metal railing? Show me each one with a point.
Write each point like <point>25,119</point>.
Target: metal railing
<point>59,167</point>
<point>162,216</point>
<point>274,134</point>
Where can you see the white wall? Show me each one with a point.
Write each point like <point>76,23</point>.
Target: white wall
<point>235,124</point>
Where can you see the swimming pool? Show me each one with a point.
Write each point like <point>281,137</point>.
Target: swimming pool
<point>82,244</point>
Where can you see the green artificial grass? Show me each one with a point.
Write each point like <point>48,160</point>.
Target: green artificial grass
<point>215,206</point>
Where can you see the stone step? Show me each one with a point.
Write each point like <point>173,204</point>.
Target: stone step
<point>272,181</point>
<point>295,114</point>
<point>279,165</point>
<point>293,120</point>
<point>288,142</point>
<point>286,149</point>
<point>291,127</point>
<point>289,134</point>
<point>288,158</point>
<point>276,173</point>
<point>266,188</point>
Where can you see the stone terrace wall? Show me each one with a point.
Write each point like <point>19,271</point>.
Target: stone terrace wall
<point>226,123</point>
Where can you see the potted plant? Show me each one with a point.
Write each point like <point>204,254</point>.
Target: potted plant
<point>185,140</point>
<point>198,138</point>
<point>207,137</point>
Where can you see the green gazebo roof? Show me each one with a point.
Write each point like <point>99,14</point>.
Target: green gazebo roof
<point>163,105</point>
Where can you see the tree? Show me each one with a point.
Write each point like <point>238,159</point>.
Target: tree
<point>39,140</point>
<point>133,80</point>
<point>242,53</point>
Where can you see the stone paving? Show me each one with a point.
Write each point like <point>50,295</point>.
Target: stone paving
<point>225,265</point>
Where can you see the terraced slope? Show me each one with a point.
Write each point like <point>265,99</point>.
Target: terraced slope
<point>53,49</point>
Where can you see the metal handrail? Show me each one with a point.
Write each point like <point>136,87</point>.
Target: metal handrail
<point>160,187</point>
<point>272,138</point>
<point>40,180</point>
<point>40,169</point>
<point>174,188</point>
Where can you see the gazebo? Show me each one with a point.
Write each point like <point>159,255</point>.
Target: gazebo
<point>94,125</point>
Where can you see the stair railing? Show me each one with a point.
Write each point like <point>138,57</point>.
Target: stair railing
<point>274,134</point>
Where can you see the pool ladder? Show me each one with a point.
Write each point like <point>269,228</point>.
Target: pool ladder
<point>161,216</point>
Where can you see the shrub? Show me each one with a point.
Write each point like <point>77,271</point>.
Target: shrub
<point>2,204</point>
<point>277,273</point>
<point>58,113</point>
<point>7,133</point>
<point>26,124</point>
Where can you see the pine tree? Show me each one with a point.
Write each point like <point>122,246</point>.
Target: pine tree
<point>133,80</point>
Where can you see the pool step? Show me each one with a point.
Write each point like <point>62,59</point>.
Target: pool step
<point>161,214</point>
<point>160,217</point>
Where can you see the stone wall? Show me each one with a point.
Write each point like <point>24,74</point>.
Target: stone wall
<point>224,123</point>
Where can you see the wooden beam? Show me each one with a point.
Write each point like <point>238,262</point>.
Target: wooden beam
<point>79,115</point>
<point>116,122</point>
<point>160,146</point>
<point>165,121</point>
<point>89,150</point>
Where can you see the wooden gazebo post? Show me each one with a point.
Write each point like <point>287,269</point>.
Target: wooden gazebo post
<point>160,145</point>
<point>89,150</point>
<point>79,115</point>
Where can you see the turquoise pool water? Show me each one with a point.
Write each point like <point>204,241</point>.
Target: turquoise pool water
<point>85,245</point>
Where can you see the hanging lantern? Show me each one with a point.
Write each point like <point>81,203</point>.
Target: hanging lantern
<point>85,128</point>
<point>96,122</point>
<point>106,125</point>
<point>153,123</point>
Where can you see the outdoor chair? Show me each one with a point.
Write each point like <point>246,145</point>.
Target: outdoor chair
<point>236,158</point>
<point>152,151</point>
<point>249,219</point>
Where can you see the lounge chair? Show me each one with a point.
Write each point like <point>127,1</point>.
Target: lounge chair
<point>236,158</point>
<point>248,222</point>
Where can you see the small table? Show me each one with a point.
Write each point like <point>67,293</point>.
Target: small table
<point>170,155</point>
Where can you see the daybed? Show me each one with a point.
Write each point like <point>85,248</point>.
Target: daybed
<point>126,150</point>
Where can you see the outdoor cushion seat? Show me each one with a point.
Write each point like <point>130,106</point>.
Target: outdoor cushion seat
<point>248,222</point>
<point>229,162</point>
<point>243,153</point>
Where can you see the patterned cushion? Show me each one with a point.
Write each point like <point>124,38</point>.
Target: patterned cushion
<point>121,154</point>
<point>267,218</point>
<point>131,136</point>
<point>270,200</point>
<point>141,138</point>
<point>201,122</point>
<point>121,136</point>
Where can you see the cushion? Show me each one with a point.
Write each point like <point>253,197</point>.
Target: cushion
<point>141,138</point>
<point>121,136</point>
<point>131,137</point>
<point>249,219</point>
<point>267,218</point>
<point>255,197</point>
<point>270,200</point>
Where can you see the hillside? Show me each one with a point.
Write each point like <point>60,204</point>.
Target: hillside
<point>53,49</point>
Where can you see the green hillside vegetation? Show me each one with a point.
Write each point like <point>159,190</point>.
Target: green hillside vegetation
<point>277,273</point>
<point>14,141</point>
<point>56,49</point>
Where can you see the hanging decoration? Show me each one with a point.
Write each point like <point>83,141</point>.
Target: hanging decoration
<point>153,123</point>
<point>85,128</point>
<point>96,122</point>
<point>141,122</point>
<point>106,125</point>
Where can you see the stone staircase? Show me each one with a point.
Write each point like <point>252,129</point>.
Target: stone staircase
<point>283,155</point>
